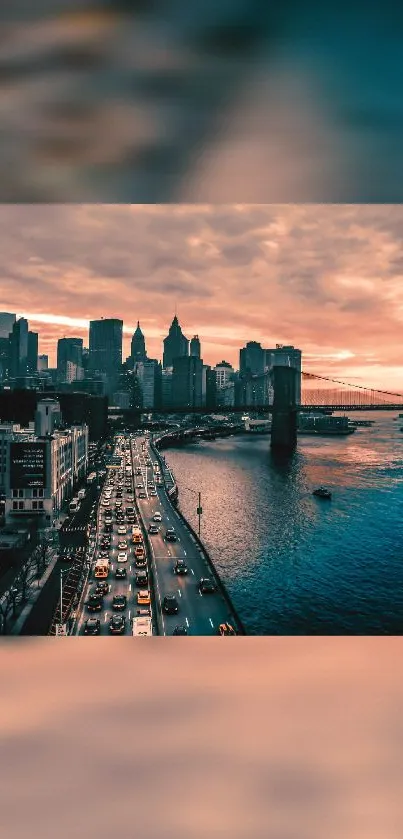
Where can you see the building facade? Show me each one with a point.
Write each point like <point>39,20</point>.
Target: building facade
<point>105,351</point>
<point>70,359</point>
<point>252,359</point>
<point>224,372</point>
<point>41,471</point>
<point>7,321</point>
<point>195,349</point>
<point>187,382</point>
<point>286,356</point>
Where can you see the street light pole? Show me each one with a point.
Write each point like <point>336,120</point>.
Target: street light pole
<point>199,512</point>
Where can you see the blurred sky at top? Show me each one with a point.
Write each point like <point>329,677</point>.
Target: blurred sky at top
<point>223,100</point>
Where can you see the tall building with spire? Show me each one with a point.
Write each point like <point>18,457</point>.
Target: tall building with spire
<point>176,345</point>
<point>138,346</point>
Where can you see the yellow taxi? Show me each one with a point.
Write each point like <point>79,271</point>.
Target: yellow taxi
<point>143,598</point>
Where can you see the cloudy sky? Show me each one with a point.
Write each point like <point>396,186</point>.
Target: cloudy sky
<point>326,278</point>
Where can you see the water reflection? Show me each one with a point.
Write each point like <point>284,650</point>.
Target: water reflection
<point>294,563</point>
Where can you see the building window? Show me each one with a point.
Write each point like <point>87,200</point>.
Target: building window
<point>34,493</point>
<point>15,493</point>
<point>15,505</point>
<point>20,505</point>
<point>40,505</point>
<point>40,493</point>
<point>20,493</point>
<point>34,505</point>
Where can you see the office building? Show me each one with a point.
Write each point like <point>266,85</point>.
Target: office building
<point>147,373</point>
<point>187,382</point>
<point>41,471</point>
<point>70,359</point>
<point>224,372</point>
<point>7,321</point>
<point>176,345</point>
<point>4,358</point>
<point>195,347</point>
<point>19,348</point>
<point>32,356</point>
<point>138,346</point>
<point>166,387</point>
<point>286,356</point>
<point>252,359</point>
<point>43,363</point>
<point>105,356</point>
<point>211,389</point>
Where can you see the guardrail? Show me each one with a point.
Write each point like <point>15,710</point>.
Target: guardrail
<point>237,620</point>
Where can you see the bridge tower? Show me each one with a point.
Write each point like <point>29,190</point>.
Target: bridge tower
<point>284,416</point>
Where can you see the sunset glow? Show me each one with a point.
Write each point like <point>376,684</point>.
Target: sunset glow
<point>328,279</point>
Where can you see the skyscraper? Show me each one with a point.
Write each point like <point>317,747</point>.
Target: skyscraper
<point>7,321</point>
<point>147,373</point>
<point>195,346</point>
<point>106,349</point>
<point>224,370</point>
<point>19,348</point>
<point>176,345</point>
<point>252,359</point>
<point>286,356</point>
<point>187,382</point>
<point>69,359</point>
<point>138,346</point>
<point>43,362</point>
<point>32,355</point>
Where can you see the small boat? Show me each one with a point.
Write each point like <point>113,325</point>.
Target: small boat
<point>322,492</point>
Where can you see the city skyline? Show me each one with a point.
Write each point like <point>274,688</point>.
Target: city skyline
<point>326,279</point>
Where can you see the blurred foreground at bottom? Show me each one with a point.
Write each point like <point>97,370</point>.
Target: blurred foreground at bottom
<point>286,738</point>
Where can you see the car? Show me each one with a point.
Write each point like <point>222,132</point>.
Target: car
<point>103,554</point>
<point>95,603</point>
<point>117,625</point>
<point>207,586</point>
<point>118,505</point>
<point>142,494</point>
<point>143,597</point>
<point>119,602</point>
<point>180,567</point>
<point>108,527</point>
<point>120,573</point>
<point>139,551</point>
<point>140,561</point>
<point>157,517</point>
<point>226,629</point>
<point>122,530</point>
<point>122,556</point>
<point>153,529</point>
<point>140,486</point>
<point>144,613</point>
<point>170,535</point>
<point>122,546</point>
<point>102,588</point>
<point>131,519</point>
<point>92,626</point>
<point>141,578</point>
<point>170,604</point>
<point>153,493</point>
<point>180,630</point>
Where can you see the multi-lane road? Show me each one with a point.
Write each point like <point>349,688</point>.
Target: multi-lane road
<point>198,613</point>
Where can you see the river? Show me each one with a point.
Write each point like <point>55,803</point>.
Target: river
<point>293,564</point>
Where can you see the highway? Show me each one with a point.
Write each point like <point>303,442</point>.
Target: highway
<point>198,613</point>
<point>125,586</point>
